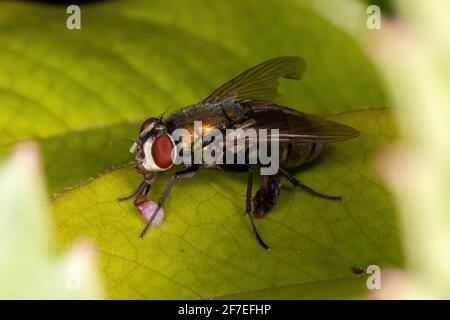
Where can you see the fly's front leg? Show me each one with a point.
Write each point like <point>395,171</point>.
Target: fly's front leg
<point>141,191</point>
<point>137,192</point>
<point>140,197</point>
<point>184,174</point>
<point>248,208</point>
<point>299,185</point>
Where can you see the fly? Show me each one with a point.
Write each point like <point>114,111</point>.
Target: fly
<point>243,102</point>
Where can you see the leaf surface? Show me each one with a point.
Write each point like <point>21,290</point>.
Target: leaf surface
<point>205,247</point>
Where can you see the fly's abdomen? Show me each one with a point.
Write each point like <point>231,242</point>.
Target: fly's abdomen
<point>290,155</point>
<point>294,155</point>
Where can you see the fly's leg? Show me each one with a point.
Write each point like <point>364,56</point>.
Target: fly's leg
<point>141,195</point>
<point>248,208</point>
<point>140,190</point>
<point>184,174</point>
<point>297,184</point>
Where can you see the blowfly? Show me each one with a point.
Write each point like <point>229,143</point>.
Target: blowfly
<point>245,102</point>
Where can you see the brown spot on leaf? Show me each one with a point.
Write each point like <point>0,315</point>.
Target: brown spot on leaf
<point>358,271</point>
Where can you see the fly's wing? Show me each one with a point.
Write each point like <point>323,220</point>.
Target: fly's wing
<point>293,126</point>
<point>255,86</point>
<point>259,83</point>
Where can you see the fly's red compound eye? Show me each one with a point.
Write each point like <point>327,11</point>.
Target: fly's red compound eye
<point>146,124</point>
<point>162,151</point>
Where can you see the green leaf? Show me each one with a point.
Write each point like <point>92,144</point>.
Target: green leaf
<point>73,90</point>
<point>205,247</point>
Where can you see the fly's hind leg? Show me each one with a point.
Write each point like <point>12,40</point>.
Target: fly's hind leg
<point>248,208</point>
<point>298,185</point>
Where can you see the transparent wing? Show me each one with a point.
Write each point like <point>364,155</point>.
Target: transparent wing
<point>260,82</point>
<point>294,126</point>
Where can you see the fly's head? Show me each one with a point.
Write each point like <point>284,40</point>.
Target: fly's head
<point>154,147</point>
